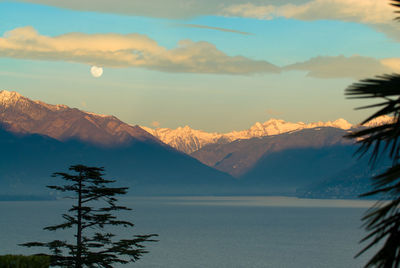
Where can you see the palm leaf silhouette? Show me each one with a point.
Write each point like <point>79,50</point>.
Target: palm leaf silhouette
<point>382,221</point>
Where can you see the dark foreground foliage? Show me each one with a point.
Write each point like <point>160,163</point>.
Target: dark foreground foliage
<point>19,261</point>
<point>93,211</point>
<point>382,221</point>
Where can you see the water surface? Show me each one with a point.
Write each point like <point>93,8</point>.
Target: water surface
<point>216,231</point>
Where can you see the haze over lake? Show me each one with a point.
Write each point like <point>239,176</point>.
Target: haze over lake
<point>217,231</point>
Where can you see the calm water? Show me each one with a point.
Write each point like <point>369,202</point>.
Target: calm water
<point>216,231</point>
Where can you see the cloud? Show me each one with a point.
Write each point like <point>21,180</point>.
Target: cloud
<point>392,63</point>
<point>172,9</point>
<point>130,50</point>
<point>368,11</point>
<point>136,50</point>
<point>365,11</point>
<point>213,28</point>
<point>356,67</point>
<point>378,14</point>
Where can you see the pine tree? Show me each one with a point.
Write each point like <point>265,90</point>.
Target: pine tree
<point>92,212</point>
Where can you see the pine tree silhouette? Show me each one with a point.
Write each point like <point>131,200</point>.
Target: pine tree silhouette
<point>89,216</point>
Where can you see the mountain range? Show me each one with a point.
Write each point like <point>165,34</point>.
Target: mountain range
<point>275,157</point>
<point>22,115</point>
<point>189,140</point>
<point>241,156</point>
<point>38,139</point>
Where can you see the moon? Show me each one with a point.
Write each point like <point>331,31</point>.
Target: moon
<point>96,71</point>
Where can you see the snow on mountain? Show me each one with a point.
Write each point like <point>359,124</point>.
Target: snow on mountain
<point>379,121</point>
<point>23,115</point>
<point>278,126</point>
<point>189,140</point>
<point>8,98</point>
<point>185,138</point>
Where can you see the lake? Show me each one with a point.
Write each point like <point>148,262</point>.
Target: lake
<point>216,231</point>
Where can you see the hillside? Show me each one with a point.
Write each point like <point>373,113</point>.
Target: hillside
<point>27,161</point>
<point>38,139</point>
<point>23,115</point>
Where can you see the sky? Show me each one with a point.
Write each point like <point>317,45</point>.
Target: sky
<point>215,65</point>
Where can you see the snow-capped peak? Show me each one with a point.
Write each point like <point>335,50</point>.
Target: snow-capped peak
<point>338,123</point>
<point>342,123</point>
<point>9,97</point>
<point>279,126</point>
<point>90,113</point>
<point>189,140</point>
<point>379,121</point>
<point>9,94</point>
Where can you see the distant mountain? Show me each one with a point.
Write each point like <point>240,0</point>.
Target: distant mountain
<point>22,115</point>
<point>189,140</point>
<point>379,121</point>
<point>350,182</point>
<point>239,157</point>
<point>186,139</point>
<point>28,160</point>
<point>311,163</point>
<point>37,139</point>
<point>285,163</point>
<point>275,157</point>
<point>289,170</point>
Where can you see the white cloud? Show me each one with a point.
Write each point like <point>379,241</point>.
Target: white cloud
<point>130,50</point>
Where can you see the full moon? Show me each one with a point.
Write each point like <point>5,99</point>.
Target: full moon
<point>96,71</point>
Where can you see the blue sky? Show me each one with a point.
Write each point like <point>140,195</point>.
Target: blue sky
<point>202,85</point>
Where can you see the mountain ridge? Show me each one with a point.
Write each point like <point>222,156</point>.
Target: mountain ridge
<point>39,137</point>
<point>23,115</point>
<point>28,160</point>
<point>238,157</point>
<point>190,140</point>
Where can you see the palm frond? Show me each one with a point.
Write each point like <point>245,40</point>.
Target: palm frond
<point>396,3</point>
<point>385,137</point>
<point>382,221</point>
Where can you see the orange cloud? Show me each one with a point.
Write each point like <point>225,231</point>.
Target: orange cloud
<point>130,50</point>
